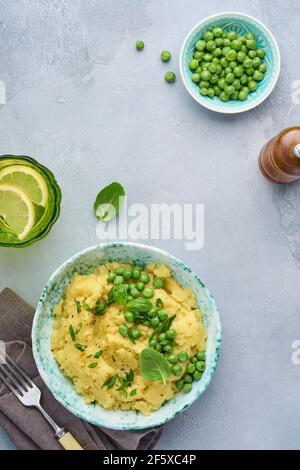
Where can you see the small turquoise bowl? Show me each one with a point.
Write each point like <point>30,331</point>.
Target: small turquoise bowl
<point>61,387</point>
<point>241,24</point>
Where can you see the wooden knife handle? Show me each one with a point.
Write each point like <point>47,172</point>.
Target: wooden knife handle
<point>69,442</point>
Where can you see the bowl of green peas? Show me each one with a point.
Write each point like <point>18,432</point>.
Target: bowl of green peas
<point>230,62</point>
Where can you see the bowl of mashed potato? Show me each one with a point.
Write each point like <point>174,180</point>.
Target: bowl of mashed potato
<point>126,336</point>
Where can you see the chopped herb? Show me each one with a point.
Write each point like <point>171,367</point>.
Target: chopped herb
<point>110,382</point>
<point>79,326</point>
<point>92,365</point>
<point>78,306</point>
<point>129,376</point>
<point>72,333</point>
<point>130,336</point>
<point>168,323</point>
<point>100,307</point>
<point>97,354</point>
<point>133,392</point>
<point>87,307</point>
<point>81,347</point>
<point>123,384</point>
<point>90,355</point>
<point>159,303</point>
<point>125,393</point>
<point>113,358</point>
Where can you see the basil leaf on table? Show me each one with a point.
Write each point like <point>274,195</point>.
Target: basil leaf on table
<point>108,202</point>
<point>154,366</point>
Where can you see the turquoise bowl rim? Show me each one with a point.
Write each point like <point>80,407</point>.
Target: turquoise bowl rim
<point>201,385</point>
<point>245,106</point>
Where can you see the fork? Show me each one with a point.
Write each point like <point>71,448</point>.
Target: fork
<point>30,395</point>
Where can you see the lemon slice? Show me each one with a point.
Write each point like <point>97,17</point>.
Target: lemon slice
<point>28,180</point>
<point>16,210</point>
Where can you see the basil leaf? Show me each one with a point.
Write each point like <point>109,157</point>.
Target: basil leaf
<point>118,294</point>
<point>72,333</point>
<point>168,323</point>
<point>154,366</point>
<point>109,201</point>
<point>110,382</point>
<point>139,305</point>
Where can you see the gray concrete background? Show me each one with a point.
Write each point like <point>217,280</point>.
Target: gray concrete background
<point>84,102</point>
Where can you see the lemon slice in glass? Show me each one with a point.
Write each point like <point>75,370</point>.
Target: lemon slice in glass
<point>30,181</point>
<point>16,210</point>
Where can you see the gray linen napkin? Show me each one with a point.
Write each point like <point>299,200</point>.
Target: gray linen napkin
<point>26,427</point>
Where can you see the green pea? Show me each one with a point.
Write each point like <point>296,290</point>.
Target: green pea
<point>225,50</point>
<point>252,54</point>
<point>183,356</point>
<point>172,359</point>
<point>201,356</point>
<point>171,334</point>
<point>170,77</point>
<point>247,63</point>
<point>249,71</point>
<point>111,277</point>
<point>162,315</point>
<point>139,45</point>
<point>119,271</point>
<point>197,375</point>
<point>136,273</point>
<point>211,92</point>
<point>152,343</point>
<point>221,83</point>
<point>217,90</point>
<point>187,388</point>
<point>198,55</point>
<point>231,35</point>
<point>146,323</point>
<point>129,316</point>
<point>237,84</point>
<point>258,76</point>
<point>212,68</point>
<point>200,365</point>
<point>205,66</point>
<point>188,379</point>
<point>236,44</point>
<point>208,57</point>
<point>232,64</point>
<point>211,45</point>
<point>263,68</point>
<point>241,56</point>
<point>260,53</point>
<point>196,77</point>
<point>140,285</point>
<point>191,368</point>
<point>148,292</point>
<point>217,53</point>
<point>231,55</point>
<point>162,337</point>
<point>127,274</point>
<point>152,312</point>
<point>118,280</point>
<point>167,348</point>
<point>208,36</point>
<point>200,45</point>
<point>215,61</point>
<point>256,62</point>
<point>179,384</point>
<point>135,333</point>
<point>165,56</point>
<point>252,85</point>
<point>219,41</point>
<point>194,360</point>
<point>123,330</point>
<point>229,78</point>
<point>204,84</point>
<point>218,69</point>
<point>229,89</point>
<point>129,297</point>
<point>251,44</point>
<point>154,322</point>
<point>134,292</point>
<point>176,370</point>
<point>217,32</point>
<point>244,79</point>
<point>203,91</point>
<point>205,75</point>
<point>144,277</point>
<point>223,96</point>
<point>238,71</point>
<point>158,347</point>
<point>194,64</point>
<point>235,95</point>
<point>249,36</point>
<point>227,70</point>
<point>224,62</point>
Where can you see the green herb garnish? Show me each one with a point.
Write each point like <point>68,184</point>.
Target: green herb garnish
<point>154,366</point>
<point>87,307</point>
<point>78,306</point>
<point>159,303</point>
<point>109,201</point>
<point>100,307</point>
<point>118,293</point>
<point>81,347</point>
<point>133,392</point>
<point>139,305</point>
<point>110,382</point>
<point>97,354</point>
<point>168,323</point>
<point>93,365</point>
<point>79,326</point>
<point>72,333</point>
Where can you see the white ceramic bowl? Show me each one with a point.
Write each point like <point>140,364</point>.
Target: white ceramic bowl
<point>63,390</point>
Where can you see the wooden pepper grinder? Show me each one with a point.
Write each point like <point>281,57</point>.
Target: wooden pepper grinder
<point>279,159</point>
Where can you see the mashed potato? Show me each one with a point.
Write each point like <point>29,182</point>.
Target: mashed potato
<point>90,349</point>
